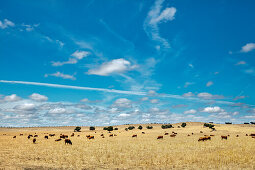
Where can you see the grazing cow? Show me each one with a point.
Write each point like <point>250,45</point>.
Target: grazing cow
<point>35,136</point>
<point>111,135</point>
<point>115,135</point>
<point>201,131</point>
<point>211,135</point>
<point>224,137</point>
<point>143,132</point>
<point>21,134</point>
<point>134,136</point>
<point>237,135</point>
<point>204,138</point>
<point>34,140</point>
<point>166,133</point>
<point>46,137</point>
<point>28,136</point>
<point>78,135</point>
<point>72,135</point>
<point>253,134</point>
<point>68,141</point>
<point>228,135</point>
<point>91,137</point>
<point>188,135</point>
<point>160,137</point>
<point>63,136</point>
<point>102,135</point>
<point>51,135</point>
<point>58,140</point>
<point>14,136</point>
<point>173,135</point>
<point>246,134</point>
<point>192,133</point>
<point>87,136</point>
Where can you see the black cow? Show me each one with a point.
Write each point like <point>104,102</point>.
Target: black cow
<point>34,140</point>
<point>68,141</point>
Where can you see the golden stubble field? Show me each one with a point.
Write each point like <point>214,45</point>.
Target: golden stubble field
<point>124,152</point>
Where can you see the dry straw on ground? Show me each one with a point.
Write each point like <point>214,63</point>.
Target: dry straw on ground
<point>124,152</point>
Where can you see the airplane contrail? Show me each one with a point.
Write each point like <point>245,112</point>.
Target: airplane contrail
<point>75,87</point>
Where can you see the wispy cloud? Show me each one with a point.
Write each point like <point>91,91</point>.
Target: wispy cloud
<point>61,75</point>
<point>156,16</point>
<point>248,47</point>
<point>6,23</point>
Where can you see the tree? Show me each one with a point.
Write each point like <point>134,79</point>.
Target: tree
<point>77,129</point>
<point>140,127</point>
<point>92,128</point>
<point>183,125</point>
<point>110,128</point>
<point>149,127</point>
<point>105,128</point>
<point>131,127</point>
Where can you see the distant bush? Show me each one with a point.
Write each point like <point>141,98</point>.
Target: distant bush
<point>140,127</point>
<point>210,122</point>
<point>116,128</point>
<point>183,125</point>
<point>228,122</point>
<point>92,128</point>
<point>166,126</point>
<point>206,125</point>
<point>126,129</point>
<point>77,129</point>
<point>105,128</point>
<point>149,127</point>
<point>131,127</point>
<point>246,123</point>
<point>252,123</point>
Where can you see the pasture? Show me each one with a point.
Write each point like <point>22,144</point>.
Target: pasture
<point>123,151</point>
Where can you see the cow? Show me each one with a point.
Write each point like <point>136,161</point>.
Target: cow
<point>14,136</point>
<point>166,133</point>
<point>78,135</point>
<point>35,136</point>
<point>253,134</point>
<point>211,135</point>
<point>224,137</point>
<point>21,134</point>
<point>87,136</point>
<point>173,135</point>
<point>68,141</point>
<point>102,135</point>
<point>160,137</point>
<point>246,135</point>
<point>51,135</point>
<point>143,132</point>
<point>91,137</point>
<point>72,134</point>
<point>58,140</point>
<point>34,140</point>
<point>204,138</point>
<point>115,135</point>
<point>237,135</point>
<point>63,136</point>
<point>28,136</point>
<point>134,136</point>
<point>188,135</point>
<point>201,131</point>
<point>111,135</point>
<point>192,133</point>
<point>46,137</point>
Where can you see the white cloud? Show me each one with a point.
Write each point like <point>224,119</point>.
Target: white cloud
<point>112,67</point>
<point>6,23</point>
<point>64,76</point>
<point>187,84</point>
<point>156,16</point>
<point>209,83</point>
<point>59,63</point>
<point>206,95</point>
<point>189,94</point>
<point>123,102</point>
<point>80,54</point>
<point>241,63</point>
<point>248,47</point>
<point>154,101</point>
<point>85,100</point>
<point>145,98</point>
<point>25,107</point>
<point>124,115</point>
<point>58,111</point>
<point>235,113</point>
<point>38,97</point>
<point>191,111</point>
<point>11,98</point>
<point>215,109</point>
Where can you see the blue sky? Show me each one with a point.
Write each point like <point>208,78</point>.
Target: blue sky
<point>116,62</point>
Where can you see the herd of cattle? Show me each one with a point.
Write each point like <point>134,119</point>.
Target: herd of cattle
<point>173,134</point>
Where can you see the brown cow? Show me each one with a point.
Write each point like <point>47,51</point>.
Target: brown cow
<point>111,135</point>
<point>173,135</point>
<point>87,136</point>
<point>72,134</point>
<point>160,137</point>
<point>68,141</point>
<point>34,140</point>
<point>78,135</point>
<point>58,140</point>
<point>246,135</point>
<point>201,131</point>
<point>14,136</point>
<point>211,135</point>
<point>253,134</point>
<point>237,135</point>
<point>166,133</point>
<point>35,135</point>
<point>134,136</point>
<point>204,138</point>
<point>21,134</point>
<point>102,135</point>
<point>91,137</point>
<point>143,132</point>
<point>51,135</point>
<point>188,135</point>
<point>63,136</point>
<point>224,137</point>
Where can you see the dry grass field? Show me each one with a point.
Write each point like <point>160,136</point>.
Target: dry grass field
<point>124,152</point>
